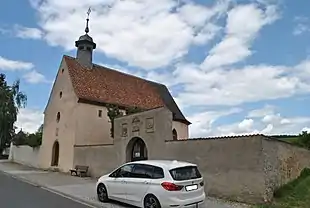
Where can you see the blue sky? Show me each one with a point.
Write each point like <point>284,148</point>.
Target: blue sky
<point>234,67</point>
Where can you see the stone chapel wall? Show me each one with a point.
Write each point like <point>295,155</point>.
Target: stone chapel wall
<point>232,167</point>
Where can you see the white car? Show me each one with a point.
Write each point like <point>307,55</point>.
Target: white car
<point>154,184</point>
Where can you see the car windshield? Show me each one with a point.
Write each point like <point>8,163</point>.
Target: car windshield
<point>185,173</point>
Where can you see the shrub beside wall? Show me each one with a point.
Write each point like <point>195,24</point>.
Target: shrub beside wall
<point>32,140</point>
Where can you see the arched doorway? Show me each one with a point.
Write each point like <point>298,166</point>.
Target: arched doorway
<point>136,150</point>
<point>174,134</point>
<point>55,154</point>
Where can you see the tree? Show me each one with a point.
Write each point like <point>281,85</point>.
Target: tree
<point>32,140</point>
<point>304,139</point>
<point>35,139</point>
<point>20,138</point>
<point>11,100</point>
<point>113,112</point>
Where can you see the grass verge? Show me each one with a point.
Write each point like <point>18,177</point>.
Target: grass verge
<point>295,194</point>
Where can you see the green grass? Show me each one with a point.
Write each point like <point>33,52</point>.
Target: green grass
<point>293,140</point>
<point>295,194</point>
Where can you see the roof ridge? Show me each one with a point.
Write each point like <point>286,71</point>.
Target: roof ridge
<point>228,137</point>
<point>116,70</point>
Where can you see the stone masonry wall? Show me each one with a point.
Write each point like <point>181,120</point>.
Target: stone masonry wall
<point>232,168</point>
<point>283,163</point>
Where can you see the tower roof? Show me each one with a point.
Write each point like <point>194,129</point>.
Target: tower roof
<point>86,39</point>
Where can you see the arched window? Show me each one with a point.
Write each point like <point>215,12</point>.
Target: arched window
<point>58,117</point>
<point>174,134</point>
<point>60,94</point>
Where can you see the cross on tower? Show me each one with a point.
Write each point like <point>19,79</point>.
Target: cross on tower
<point>88,12</point>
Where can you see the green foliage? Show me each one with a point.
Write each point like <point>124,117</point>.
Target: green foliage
<point>289,187</point>
<point>284,136</point>
<point>113,112</point>
<point>304,139</point>
<point>20,138</point>
<point>32,140</point>
<point>132,110</point>
<point>293,194</point>
<point>11,99</point>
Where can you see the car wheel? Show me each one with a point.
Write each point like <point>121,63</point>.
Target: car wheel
<point>150,201</point>
<point>102,193</point>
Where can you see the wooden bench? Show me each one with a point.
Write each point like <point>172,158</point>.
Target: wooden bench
<point>80,170</point>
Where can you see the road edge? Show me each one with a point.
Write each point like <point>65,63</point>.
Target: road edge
<point>65,195</point>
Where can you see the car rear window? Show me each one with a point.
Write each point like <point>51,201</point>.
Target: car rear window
<point>185,173</point>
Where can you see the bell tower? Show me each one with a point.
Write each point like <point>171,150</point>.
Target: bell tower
<point>85,46</point>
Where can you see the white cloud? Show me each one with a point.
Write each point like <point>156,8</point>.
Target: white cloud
<point>237,86</point>
<point>302,25</point>
<point>275,123</point>
<point>265,120</point>
<point>243,24</point>
<point>12,65</point>
<point>245,127</point>
<point>196,15</point>
<point>306,129</point>
<point>258,113</point>
<point>203,123</point>
<point>28,33</point>
<point>246,124</point>
<point>35,77</point>
<point>29,120</point>
<point>148,34</point>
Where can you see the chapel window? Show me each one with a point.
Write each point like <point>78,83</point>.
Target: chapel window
<point>58,117</point>
<point>100,113</point>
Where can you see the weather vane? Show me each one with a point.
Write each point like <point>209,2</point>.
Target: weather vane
<point>88,12</point>
<point>87,20</point>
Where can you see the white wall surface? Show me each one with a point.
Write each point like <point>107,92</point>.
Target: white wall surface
<point>24,155</point>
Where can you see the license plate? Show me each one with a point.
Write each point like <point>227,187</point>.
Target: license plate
<point>191,187</point>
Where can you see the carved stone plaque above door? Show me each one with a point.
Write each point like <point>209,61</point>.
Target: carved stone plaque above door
<point>124,132</point>
<point>149,125</point>
<point>136,122</point>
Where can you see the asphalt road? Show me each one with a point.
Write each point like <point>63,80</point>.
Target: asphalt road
<point>18,194</point>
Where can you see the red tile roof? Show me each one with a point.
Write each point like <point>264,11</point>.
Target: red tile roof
<point>103,85</point>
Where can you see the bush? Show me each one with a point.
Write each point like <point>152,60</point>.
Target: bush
<point>32,140</point>
<point>304,139</point>
<point>19,139</point>
<point>289,187</point>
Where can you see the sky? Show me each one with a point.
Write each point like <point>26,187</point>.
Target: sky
<point>233,66</point>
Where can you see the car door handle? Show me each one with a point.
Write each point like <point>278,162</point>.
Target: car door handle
<point>146,182</point>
